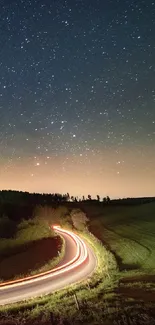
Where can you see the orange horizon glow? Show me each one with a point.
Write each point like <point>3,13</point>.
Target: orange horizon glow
<point>127,174</point>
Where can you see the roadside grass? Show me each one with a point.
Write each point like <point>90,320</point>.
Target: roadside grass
<point>106,262</point>
<point>107,309</point>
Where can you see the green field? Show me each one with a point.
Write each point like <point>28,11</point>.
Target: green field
<point>129,232</point>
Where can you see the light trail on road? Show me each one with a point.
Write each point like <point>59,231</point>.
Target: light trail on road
<point>78,263</point>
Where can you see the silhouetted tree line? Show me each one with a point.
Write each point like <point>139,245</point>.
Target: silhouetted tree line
<point>18,205</point>
<point>132,201</point>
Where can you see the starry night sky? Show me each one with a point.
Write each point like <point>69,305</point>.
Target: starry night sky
<point>77,96</point>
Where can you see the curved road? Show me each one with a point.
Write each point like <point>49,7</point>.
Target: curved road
<point>78,263</point>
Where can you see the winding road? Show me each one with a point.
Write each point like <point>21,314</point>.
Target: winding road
<point>78,263</point>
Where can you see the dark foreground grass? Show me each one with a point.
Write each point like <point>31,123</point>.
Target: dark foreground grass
<point>106,309</point>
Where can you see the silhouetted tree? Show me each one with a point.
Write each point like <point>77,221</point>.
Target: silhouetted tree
<point>67,196</point>
<point>108,199</point>
<point>89,197</point>
<point>98,197</point>
<point>104,200</point>
<point>83,198</point>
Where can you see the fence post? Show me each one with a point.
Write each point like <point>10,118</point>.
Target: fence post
<point>76,302</point>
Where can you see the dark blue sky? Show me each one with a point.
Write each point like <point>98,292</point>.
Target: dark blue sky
<point>77,96</point>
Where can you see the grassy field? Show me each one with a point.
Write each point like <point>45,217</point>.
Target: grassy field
<point>121,291</point>
<point>31,248</point>
<point>129,232</point>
